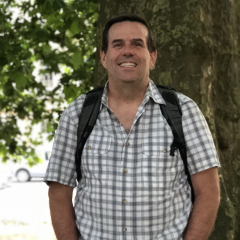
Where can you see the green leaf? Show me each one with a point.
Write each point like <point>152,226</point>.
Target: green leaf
<point>46,49</point>
<point>74,29</point>
<point>70,92</point>
<point>50,127</point>
<point>47,9</point>
<point>77,60</point>
<point>20,80</point>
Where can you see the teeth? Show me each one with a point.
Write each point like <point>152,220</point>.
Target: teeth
<point>127,65</point>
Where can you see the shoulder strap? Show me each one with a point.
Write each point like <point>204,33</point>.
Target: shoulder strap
<point>173,114</point>
<point>87,120</point>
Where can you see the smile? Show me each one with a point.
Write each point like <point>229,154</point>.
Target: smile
<point>128,64</point>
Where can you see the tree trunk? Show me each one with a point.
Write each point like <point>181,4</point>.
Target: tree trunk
<point>198,43</point>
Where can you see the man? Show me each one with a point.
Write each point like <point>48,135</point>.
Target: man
<point>131,187</point>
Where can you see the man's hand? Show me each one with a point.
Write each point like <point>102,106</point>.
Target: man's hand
<point>62,212</point>
<point>207,198</point>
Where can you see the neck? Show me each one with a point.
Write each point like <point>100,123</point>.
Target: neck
<point>128,92</point>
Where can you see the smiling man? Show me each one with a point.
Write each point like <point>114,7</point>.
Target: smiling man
<point>131,187</point>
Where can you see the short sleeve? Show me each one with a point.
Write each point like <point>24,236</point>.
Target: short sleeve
<point>201,150</point>
<point>61,167</point>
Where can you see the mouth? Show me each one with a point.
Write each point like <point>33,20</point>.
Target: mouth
<point>128,64</point>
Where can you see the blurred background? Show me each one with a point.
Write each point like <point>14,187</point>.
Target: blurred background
<point>24,211</point>
<point>49,55</point>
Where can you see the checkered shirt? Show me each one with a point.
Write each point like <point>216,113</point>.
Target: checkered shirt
<point>131,188</point>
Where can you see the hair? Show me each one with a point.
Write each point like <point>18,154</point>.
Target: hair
<point>131,18</point>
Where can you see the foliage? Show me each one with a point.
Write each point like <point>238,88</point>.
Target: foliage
<point>60,35</point>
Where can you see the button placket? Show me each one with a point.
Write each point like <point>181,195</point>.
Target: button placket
<point>127,170</point>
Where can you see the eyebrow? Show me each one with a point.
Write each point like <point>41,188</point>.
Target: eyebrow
<point>116,41</point>
<point>133,40</point>
<point>137,40</point>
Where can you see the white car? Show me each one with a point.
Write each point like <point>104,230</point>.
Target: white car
<point>23,172</point>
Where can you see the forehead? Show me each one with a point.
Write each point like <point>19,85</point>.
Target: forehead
<point>128,30</point>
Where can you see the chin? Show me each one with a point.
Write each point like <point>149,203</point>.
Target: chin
<point>128,80</point>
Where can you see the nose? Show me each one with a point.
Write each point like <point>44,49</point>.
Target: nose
<point>128,50</point>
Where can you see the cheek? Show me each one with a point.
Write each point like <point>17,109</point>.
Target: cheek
<point>112,65</point>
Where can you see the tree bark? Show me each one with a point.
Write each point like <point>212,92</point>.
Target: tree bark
<point>198,43</point>
<point>222,32</point>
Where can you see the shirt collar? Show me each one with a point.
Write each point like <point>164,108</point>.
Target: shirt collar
<point>104,96</point>
<point>152,91</point>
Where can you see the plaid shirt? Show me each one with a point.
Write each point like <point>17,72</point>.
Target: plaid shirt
<point>131,188</point>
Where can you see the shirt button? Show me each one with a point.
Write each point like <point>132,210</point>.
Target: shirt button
<point>164,150</point>
<point>127,144</point>
<point>125,200</point>
<point>125,170</point>
<point>124,229</point>
<point>89,147</point>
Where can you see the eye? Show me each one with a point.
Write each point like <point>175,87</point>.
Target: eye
<point>117,45</point>
<point>137,44</point>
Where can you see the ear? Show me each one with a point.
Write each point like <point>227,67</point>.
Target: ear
<point>153,58</point>
<point>103,59</point>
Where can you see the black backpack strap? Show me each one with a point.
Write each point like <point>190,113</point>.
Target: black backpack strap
<point>87,120</point>
<point>173,114</point>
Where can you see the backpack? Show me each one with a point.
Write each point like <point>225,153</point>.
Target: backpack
<point>171,111</point>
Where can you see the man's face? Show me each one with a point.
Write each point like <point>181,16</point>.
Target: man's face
<point>127,58</point>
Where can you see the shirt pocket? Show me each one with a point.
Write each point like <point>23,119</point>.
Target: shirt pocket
<point>159,168</point>
<point>95,156</point>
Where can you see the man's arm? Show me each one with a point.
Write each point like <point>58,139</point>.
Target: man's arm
<point>62,212</point>
<point>207,199</point>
